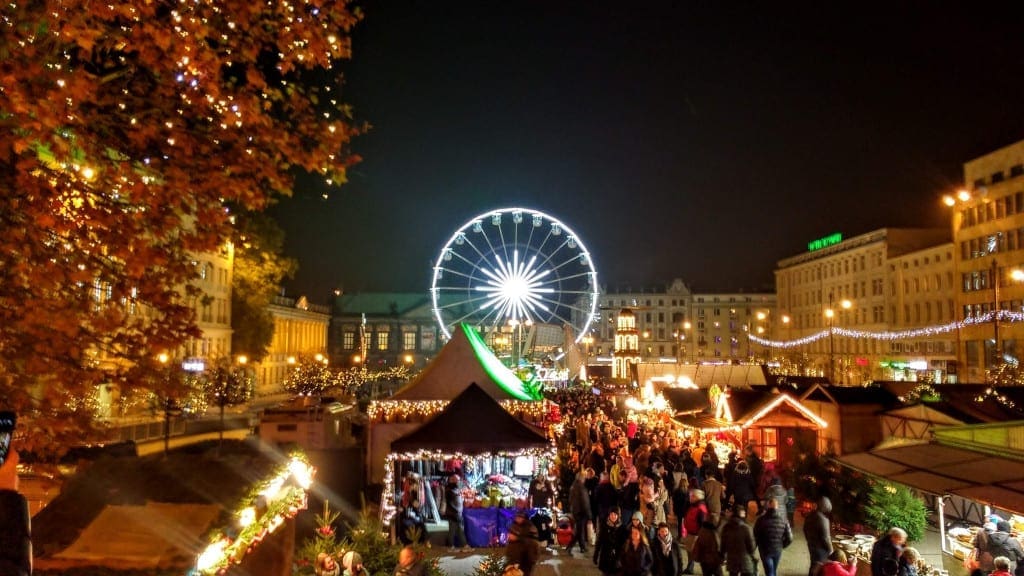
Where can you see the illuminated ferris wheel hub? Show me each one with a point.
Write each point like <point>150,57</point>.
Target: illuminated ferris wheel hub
<point>522,277</point>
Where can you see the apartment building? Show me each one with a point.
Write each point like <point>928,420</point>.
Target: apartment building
<point>884,280</point>
<point>988,231</point>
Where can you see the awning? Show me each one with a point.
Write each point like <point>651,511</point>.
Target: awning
<point>940,470</point>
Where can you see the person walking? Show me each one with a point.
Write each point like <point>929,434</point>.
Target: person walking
<point>636,554</point>
<point>610,540</point>
<point>776,491</point>
<point>742,484</point>
<point>818,533</point>
<point>667,559</point>
<point>696,514</point>
<point>707,550</point>
<point>713,492</point>
<point>579,507</point>
<point>522,547</point>
<point>771,534</point>
<point>652,503</point>
<point>738,544</point>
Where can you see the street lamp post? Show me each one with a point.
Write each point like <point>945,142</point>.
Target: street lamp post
<point>686,334</point>
<point>830,313</point>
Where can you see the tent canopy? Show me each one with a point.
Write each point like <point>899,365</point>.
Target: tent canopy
<point>472,423</point>
<point>939,469</point>
<point>465,359</point>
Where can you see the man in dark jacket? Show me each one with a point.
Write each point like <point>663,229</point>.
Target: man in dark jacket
<point>667,559</point>
<point>886,551</point>
<point>579,507</point>
<point>772,533</point>
<point>1000,543</point>
<point>453,514</point>
<point>818,533</point>
<point>738,544</point>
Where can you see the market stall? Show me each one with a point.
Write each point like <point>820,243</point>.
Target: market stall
<point>963,480</point>
<point>494,453</point>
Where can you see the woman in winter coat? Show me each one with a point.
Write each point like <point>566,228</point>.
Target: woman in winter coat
<point>707,550</point>
<point>668,560</point>
<point>742,484</point>
<point>738,544</point>
<point>636,554</point>
<point>610,540</point>
<point>652,502</point>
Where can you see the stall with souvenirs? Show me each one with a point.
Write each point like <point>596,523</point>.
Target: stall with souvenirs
<point>494,456</point>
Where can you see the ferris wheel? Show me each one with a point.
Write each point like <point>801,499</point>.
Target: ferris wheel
<point>516,269</point>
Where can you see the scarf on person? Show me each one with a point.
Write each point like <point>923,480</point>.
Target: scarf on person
<point>666,544</point>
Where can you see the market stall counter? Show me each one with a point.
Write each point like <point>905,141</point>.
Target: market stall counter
<point>488,527</point>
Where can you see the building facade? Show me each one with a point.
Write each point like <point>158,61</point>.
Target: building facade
<point>885,280</point>
<point>300,329</point>
<point>676,325</point>
<point>988,231</point>
<point>383,329</point>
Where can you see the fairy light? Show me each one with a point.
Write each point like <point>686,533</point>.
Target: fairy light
<point>394,410</point>
<point>783,397</point>
<point>888,335</point>
<point>284,495</point>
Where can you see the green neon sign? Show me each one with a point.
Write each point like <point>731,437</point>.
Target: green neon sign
<point>830,240</point>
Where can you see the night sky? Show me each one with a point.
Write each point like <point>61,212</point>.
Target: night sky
<point>700,140</point>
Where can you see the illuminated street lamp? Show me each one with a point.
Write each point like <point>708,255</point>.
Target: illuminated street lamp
<point>686,336</point>
<point>1016,275</point>
<point>830,314</point>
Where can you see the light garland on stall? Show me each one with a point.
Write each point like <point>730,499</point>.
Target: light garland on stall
<point>388,510</point>
<point>392,410</point>
<point>783,397</point>
<point>888,335</point>
<point>281,498</point>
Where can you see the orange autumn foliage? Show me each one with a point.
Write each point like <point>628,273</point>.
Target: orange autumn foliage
<point>127,130</point>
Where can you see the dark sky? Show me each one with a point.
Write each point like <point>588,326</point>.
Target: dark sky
<point>701,140</point>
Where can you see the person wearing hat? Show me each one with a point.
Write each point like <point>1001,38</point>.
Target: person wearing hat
<point>579,508</point>
<point>1002,543</point>
<point>352,562</point>
<point>522,546</point>
<point>738,544</point>
<point>695,516</point>
<point>818,534</point>
<point>610,540</point>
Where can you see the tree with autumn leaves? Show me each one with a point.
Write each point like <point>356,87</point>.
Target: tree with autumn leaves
<point>130,134</point>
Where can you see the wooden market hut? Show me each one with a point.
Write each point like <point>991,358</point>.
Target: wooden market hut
<point>776,423</point>
<point>473,425</point>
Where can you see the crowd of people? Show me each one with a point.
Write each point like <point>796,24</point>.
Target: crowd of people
<point>641,501</point>
<point>654,504</point>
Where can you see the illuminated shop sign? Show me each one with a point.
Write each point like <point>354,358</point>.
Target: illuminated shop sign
<point>830,240</point>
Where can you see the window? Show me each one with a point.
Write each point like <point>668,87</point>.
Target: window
<point>348,340</point>
<point>408,340</point>
<point>382,340</point>
<point>1016,170</point>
